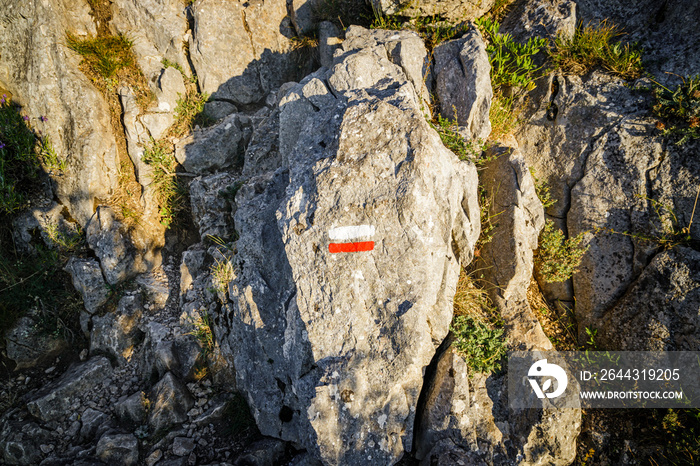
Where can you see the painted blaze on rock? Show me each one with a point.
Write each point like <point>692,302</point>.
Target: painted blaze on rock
<point>331,348</point>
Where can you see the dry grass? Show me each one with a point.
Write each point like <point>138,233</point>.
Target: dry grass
<point>473,300</point>
<point>560,329</point>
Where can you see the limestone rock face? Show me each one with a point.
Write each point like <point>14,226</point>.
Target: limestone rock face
<point>211,198</point>
<point>452,10</point>
<point>550,18</point>
<point>660,311</point>
<point>468,419</point>
<point>89,282</point>
<point>330,347</point>
<point>463,84</point>
<point>507,260</point>
<point>238,49</point>
<point>157,29</point>
<point>42,75</point>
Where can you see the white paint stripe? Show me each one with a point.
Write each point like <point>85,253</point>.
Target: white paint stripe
<point>351,232</point>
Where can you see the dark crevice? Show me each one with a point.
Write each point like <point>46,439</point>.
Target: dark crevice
<point>428,385</point>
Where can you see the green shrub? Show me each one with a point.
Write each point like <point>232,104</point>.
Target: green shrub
<point>592,47</point>
<point>103,55</point>
<point>679,109</point>
<point>462,147</point>
<point>189,113</point>
<point>558,258</point>
<point>512,63</point>
<point>481,345</point>
<point>542,189</point>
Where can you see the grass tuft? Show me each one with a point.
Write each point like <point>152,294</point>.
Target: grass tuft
<point>170,194</point>
<point>104,55</point>
<point>558,258</point>
<point>189,113</point>
<point>592,47</point>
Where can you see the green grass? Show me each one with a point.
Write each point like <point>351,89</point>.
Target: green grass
<point>462,147</point>
<point>542,189</point>
<point>170,194</point>
<point>481,345</point>
<point>679,109</point>
<point>592,47</point>
<point>202,332</point>
<point>189,113</point>
<point>558,258</point>
<point>104,55</point>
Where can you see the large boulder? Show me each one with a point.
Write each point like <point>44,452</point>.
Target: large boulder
<point>240,49</point>
<point>54,400</point>
<point>463,83</point>
<point>117,333</point>
<point>42,75</point>
<point>330,346</point>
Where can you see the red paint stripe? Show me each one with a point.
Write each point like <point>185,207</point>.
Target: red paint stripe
<point>351,247</point>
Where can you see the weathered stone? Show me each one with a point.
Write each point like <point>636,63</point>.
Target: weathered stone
<point>304,15</point>
<point>190,268</point>
<point>117,333</point>
<point>28,345</point>
<point>221,146</point>
<point>265,451</point>
<point>91,420</point>
<point>171,88</point>
<point>661,309</point>
<point>329,40</point>
<point>239,49</point>
<point>135,133</point>
<point>53,400</point>
<point>466,417</point>
<point>131,411</point>
<point>118,257</point>
<point>180,357</point>
<point>506,261</point>
<point>157,124</point>
<point>170,401</point>
<point>218,109</point>
<point>43,76</point>
<point>20,442</point>
<point>158,30</point>
<point>88,281</point>
<point>311,361</point>
<point>47,217</point>
<point>118,449</point>
<point>463,83</point>
<point>183,446</point>
<point>213,206</point>
<point>262,153</point>
<point>550,19</point>
<point>451,10</point>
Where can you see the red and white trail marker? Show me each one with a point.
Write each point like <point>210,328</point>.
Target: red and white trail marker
<point>344,239</point>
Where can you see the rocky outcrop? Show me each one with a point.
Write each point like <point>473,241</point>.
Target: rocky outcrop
<point>451,10</point>
<point>158,30</point>
<point>216,148</point>
<point>42,75</point>
<point>328,354</point>
<point>506,261</point>
<point>240,50</point>
<point>463,83</point>
<point>659,312</point>
<point>550,19</point>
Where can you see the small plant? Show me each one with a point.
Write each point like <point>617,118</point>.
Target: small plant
<point>222,273</point>
<point>592,333</point>
<point>202,332</point>
<point>679,109</point>
<point>592,47</point>
<point>481,345</point>
<point>502,116</point>
<point>558,258</point>
<point>512,63</point>
<point>104,55</point>
<point>542,190</point>
<point>382,21</point>
<point>453,140</point>
<point>488,223</point>
<point>171,64</point>
<point>169,193</point>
